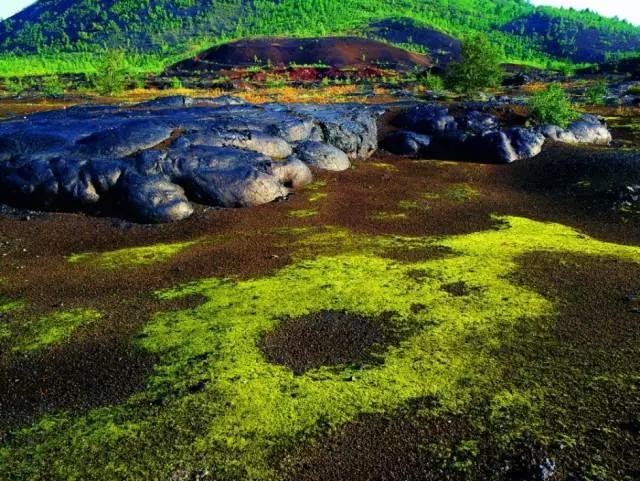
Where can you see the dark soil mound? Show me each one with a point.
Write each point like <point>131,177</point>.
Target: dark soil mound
<point>329,338</point>
<point>340,52</point>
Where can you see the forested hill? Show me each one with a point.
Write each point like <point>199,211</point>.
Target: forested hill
<point>171,26</point>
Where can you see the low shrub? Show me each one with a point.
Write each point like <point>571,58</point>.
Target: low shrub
<point>52,86</point>
<point>596,94</point>
<point>552,106</point>
<point>111,76</point>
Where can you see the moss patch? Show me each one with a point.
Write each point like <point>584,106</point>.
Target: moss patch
<point>215,402</point>
<point>384,166</point>
<point>303,213</point>
<point>50,329</point>
<point>131,257</point>
<point>317,196</point>
<point>389,216</point>
<point>460,193</point>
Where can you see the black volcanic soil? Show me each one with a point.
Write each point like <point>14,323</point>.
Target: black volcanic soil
<point>329,338</point>
<point>339,52</point>
<point>101,367</point>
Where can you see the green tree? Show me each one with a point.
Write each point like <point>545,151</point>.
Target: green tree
<point>552,106</point>
<point>111,76</point>
<point>479,68</point>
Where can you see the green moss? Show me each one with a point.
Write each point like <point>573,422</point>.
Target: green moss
<point>131,257</point>
<point>316,185</point>
<point>413,205</point>
<point>214,402</point>
<point>50,329</point>
<point>384,166</point>
<point>460,193</point>
<point>389,216</point>
<point>431,196</point>
<point>7,306</point>
<point>317,196</point>
<point>303,213</point>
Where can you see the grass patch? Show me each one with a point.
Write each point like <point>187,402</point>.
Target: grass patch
<point>317,196</point>
<point>414,205</point>
<point>384,166</point>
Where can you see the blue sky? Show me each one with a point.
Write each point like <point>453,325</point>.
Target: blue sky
<point>629,9</point>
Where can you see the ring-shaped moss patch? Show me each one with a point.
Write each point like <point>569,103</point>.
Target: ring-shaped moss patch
<point>215,404</point>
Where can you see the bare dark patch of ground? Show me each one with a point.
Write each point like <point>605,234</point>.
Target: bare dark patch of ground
<point>330,338</point>
<point>586,363</point>
<point>459,289</point>
<point>101,366</point>
<point>589,363</point>
<point>410,446</point>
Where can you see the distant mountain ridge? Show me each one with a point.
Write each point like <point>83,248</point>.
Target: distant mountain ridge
<point>525,31</point>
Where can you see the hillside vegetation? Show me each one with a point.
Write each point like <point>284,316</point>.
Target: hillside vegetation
<point>171,29</point>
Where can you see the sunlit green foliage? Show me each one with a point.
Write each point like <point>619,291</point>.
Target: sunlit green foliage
<point>111,75</point>
<point>596,93</point>
<point>479,68</point>
<point>70,38</point>
<point>552,106</point>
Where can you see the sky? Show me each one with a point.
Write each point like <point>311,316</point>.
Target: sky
<point>629,9</point>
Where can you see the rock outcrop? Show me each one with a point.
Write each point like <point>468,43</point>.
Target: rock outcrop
<point>430,130</point>
<point>150,161</point>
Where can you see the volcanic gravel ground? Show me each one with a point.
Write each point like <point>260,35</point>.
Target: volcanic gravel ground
<point>100,366</point>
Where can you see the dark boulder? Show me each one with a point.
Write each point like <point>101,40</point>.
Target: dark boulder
<point>126,139</point>
<point>527,143</point>
<point>426,119</point>
<point>492,147</point>
<point>154,199</point>
<point>322,156</point>
<point>476,122</point>
<point>407,143</point>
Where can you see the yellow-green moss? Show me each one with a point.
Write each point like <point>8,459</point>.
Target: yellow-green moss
<point>389,216</point>
<point>50,329</point>
<point>413,205</point>
<point>315,185</point>
<point>384,166</point>
<point>317,196</point>
<point>245,409</point>
<point>131,257</point>
<point>460,193</point>
<point>303,213</point>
